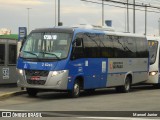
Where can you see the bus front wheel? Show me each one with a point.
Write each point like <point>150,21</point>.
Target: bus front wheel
<point>31,92</point>
<point>74,93</point>
<point>126,87</point>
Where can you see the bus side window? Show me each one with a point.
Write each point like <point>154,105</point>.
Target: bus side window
<point>106,44</point>
<point>91,45</point>
<point>12,54</point>
<point>2,54</point>
<point>130,47</point>
<point>119,46</point>
<point>142,48</point>
<point>159,60</point>
<point>77,50</point>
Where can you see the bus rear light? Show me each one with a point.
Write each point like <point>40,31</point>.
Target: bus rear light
<point>152,73</point>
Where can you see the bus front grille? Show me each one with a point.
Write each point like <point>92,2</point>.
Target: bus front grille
<point>43,73</point>
<point>36,82</point>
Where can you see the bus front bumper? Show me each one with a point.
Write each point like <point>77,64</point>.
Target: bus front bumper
<point>56,80</point>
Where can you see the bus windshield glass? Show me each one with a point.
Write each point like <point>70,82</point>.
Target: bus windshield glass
<point>153,45</point>
<point>46,46</point>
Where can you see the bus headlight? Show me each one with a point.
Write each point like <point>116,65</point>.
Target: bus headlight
<point>152,73</point>
<point>20,71</point>
<point>57,72</point>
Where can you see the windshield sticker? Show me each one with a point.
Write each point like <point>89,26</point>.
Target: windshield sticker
<point>54,37</point>
<point>50,37</point>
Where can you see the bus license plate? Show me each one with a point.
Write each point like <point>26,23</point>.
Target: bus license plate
<point>35,78</point>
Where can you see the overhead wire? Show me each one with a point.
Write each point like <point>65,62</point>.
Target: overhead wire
<point>139,9</point>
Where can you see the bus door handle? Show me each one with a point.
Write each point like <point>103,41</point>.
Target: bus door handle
<point>94,76</point>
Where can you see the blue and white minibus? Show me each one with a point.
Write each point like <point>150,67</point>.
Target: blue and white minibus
<point>154,51</point>
<point>78,58</point>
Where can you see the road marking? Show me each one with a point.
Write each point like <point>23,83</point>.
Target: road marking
<point>12,110</point>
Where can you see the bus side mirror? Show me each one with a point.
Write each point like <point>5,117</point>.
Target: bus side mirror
<point>78,41</point>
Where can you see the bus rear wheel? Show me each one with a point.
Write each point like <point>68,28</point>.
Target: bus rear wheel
<point>75,92</point>
<point>126,87</point>
<point>31,92</point>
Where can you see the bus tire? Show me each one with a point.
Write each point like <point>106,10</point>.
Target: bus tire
<point>126,87</point>
<point>157,86</point>
<point>32,92</point>
<point>75,92</point>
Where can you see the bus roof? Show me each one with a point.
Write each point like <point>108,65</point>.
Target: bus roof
<point>55,29</point>
<point>82,29</point>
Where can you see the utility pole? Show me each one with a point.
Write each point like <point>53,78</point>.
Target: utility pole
<point>102,12</point>
<point>134,23</point>
<point>58,12</point>
<point>127,17</point>
<point>145,20</point>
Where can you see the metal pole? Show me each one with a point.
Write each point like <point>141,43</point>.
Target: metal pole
<point>55,13</point>
<point>102,12</point>
<point>134,17</point>
<point>159,26</point>
<point>28,21</point>
<point>125,21</point>
<point>145,20</point>
<point>58,12</point>
<point>127,17</point>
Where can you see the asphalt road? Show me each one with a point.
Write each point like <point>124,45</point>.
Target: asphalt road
<point>144,98</point>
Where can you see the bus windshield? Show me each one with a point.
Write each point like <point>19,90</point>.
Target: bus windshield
<point>153,45</point>
<point>46,46</point>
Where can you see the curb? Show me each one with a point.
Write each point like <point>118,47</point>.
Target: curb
<point>11,94</point>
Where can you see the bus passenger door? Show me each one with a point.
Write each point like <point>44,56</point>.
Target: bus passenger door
<point>76,64</point>
<point>86,62</point>
<point>82,65</point>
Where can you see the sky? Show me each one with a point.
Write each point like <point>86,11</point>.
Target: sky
<point>14,14</point>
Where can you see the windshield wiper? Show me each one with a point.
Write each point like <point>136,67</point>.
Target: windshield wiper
<point>32,54</point>
<point>51,54</point>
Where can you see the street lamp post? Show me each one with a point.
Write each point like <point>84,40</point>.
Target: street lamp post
<point>145,20</point>
<point>134,23</point>
<point>127,17</point>
<point>28,20</point>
